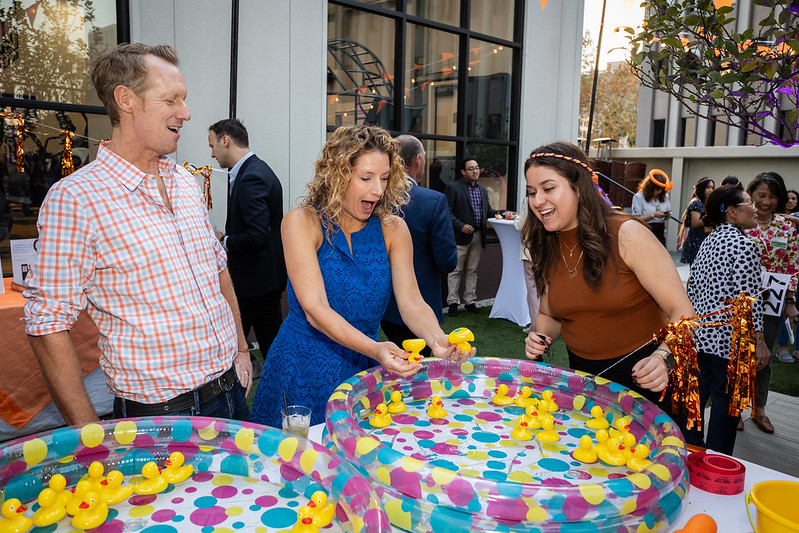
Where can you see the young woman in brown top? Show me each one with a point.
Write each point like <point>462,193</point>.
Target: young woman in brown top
<point>607,285</point>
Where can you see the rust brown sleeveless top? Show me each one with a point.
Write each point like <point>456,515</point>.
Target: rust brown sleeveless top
<point>610,322</point>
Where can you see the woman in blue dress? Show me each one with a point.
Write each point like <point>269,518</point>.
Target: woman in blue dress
<point>692,219</point>
<point>346,250</point>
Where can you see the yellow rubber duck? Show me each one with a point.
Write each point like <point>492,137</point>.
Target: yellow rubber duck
<point>629,442</point>
<point>79,493</point>
<point>524,399</point>
<point>521,432</point>
<point>92,513</point>
<point>413,347</point>
<point>323,512</point>
<point>601,438</point>
<point>304,521</point>
<point>96,471</point>
<point>436,408</point>
<point>13,520</point>
<point>547,434</point>
<point>461,338</point>
<point>543,412</point>
<point>59,484</point>
<point>113,490</point>
<point>533,422</point>
<point>621,427</point>
<point>153,483</point>
<point>585,453</point>
<point>49,511</point>
<point>639,458</point>
<point>382,417</point>
<point>175,470</point>
<point>501,397</point>
<point>396,406</point>
<point>549,397</point>
<point>611,453</point>
<point>599,421</point>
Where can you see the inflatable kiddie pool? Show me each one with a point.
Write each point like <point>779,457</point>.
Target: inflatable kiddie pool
<point>246,477</point>
<point>465,472</point>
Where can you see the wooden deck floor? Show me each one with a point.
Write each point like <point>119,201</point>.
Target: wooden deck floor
<point>780,450</point>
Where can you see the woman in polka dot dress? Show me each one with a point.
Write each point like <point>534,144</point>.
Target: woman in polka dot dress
<point>727,263</point>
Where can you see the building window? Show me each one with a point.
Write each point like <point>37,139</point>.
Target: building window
<point>687,131</point>
<point>46,50</point>
<point>718,133</point>
<point>659,133</point>
<point>457,88</point>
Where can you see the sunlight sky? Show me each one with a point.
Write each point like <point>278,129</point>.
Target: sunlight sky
<point>617,13</point>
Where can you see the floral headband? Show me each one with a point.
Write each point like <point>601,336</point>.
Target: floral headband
<point>594,177</point>
<point>590,170</point>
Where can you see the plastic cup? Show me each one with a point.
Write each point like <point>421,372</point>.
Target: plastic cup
<point>297,420</point>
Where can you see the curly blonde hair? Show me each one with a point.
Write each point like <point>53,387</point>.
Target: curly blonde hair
<point>333,172</point>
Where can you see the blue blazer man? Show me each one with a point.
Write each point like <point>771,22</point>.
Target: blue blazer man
<point>252,231</point>
<point>434,250</point>
<point>254,244</point>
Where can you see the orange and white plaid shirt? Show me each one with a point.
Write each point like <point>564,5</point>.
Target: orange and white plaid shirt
<point>150,277</point>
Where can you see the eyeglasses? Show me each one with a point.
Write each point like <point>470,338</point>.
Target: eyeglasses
<point>473,169</point>
<point>750,203</point>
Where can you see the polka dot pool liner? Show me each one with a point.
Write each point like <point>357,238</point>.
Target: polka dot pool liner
<point>465,471</point>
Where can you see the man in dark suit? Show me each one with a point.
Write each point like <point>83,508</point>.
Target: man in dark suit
<point>469,210</point>
<point>252,231</point>
<point>434,251</point>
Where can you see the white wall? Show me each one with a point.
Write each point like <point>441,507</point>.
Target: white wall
<point>550,76</point>
<point>280,97</point>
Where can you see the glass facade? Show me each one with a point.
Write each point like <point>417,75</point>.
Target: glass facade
<point>458,93</point>
<point>46,49</point>
<point>431,81</point>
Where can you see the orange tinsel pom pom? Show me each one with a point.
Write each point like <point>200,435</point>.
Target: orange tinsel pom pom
<point>742,368</point>
<point>205,172</point>
<point>67,165</point>
<point>685,376</point>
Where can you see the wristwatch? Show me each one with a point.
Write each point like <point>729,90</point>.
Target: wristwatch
<point>668,358</point>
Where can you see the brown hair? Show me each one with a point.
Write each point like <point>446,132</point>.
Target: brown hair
<point>333,172</point>
<point>651,190</point>
<point>592,217</point>
<point>125,65</point>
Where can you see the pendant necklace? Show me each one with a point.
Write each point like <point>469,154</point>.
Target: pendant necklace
<point>571,248</point>
<point>572,272</point>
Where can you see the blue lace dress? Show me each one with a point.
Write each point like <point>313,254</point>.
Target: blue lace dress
<point>695,236</point>
<point>303,361</point>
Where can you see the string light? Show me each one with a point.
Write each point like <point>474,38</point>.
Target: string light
<point>68,165</point>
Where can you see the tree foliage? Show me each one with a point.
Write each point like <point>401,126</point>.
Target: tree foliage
<point>616,105</point>
<point>748,79</point>
<point>48,60</point>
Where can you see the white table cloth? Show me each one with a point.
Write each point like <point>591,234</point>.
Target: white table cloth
<point>511,299</point>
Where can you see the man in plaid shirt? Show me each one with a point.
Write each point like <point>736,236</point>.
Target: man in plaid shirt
<point>128,237</point>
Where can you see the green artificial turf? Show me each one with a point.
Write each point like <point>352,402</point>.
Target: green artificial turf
<point>497,337</point>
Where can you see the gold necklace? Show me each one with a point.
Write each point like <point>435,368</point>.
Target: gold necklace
<point>571,271</point>
<point>571,248</point>
<point>765,223</point>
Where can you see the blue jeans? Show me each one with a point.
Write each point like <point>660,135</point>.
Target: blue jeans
<point>230,404</point>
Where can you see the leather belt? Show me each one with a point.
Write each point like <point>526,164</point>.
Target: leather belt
<point>207,392</point>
